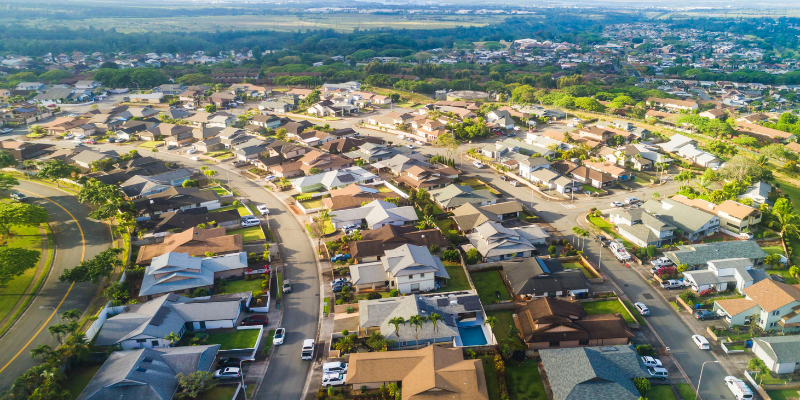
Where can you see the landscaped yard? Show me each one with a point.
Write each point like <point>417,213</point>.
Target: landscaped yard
<point>384,189</point>
<point>249,234</point>
<point>608,307</point>
<point>488,284</point>
<point>785,274</point>
<point>606,227</point>
<point>313,203</point>
<point>524,381</point>
<point>243,210</point>
<point>505,320</point>
<point>786,394</point>
<point>219,189</point>
<point>458,279</point>
<point>445,225</point>
<point>241,339</point>
<point>636,314</point>
<point>365,295</point>
<point>686,391</point>
<point>221,154</point>
<point>78,378</point>
<point>242,286</point>
<point>774,250</point>
<point>770,379</point>
<point>660,392</point>
<point>268,341</point>
<point>492,386</point>
<point>476,184</point>
<point>26,237</point>
<point>436,209</point>
<point>150,145</point>
<point>590,189</point>
<point>579,265</point>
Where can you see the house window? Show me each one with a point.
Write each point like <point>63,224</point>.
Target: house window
<point>421,275</point>
<point>776,312</point>
<point>141,340</point>
<point>584,342</point>
<point>555,344</point>
<point>411,276</point>
<point>771,324</point>
<point>155,343</point>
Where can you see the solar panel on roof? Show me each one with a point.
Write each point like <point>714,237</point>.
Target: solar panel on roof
<point>159,316</point>
<point>442,302</point>
<point>542,265</point>
<point>346,178</point>
<point>449,320</point>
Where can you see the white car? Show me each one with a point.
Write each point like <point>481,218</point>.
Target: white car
<point>477,164</point>
<point>333,379</point>
<point>227,373</point>
<point>263,209</point>
<point>335,367</point>
<point>194,158</point>
<point>642,308</point>
<point>651,362</point>
<point>250,221</point>
<point>335,281</point>
<point>68,136</point>
<point>7,130</point>
<point>658,372</point>
<point>419,143</point>
<point>351,231</point>
<point>631,200</point>
<point>514,183</point>
<point>280,334</point>
<point>616,204</point>
<point>80,136</point>
<point>307,353</point>
<point>191,151</point>
<point>410,146</point>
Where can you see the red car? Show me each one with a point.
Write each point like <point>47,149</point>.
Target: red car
<point>90,141</point>
<point>255,320</point>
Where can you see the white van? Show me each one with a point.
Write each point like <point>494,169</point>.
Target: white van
<point>307,353</point>
<point>658,372</point>
<point>738,388</point>
<point>336,367</point>
<point>701,342</point>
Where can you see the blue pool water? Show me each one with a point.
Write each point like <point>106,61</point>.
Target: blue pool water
<point>472,336</point>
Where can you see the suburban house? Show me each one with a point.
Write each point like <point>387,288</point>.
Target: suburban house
<point>407,268</point>
<point>762,132</point>
<point>174,134</point>
<point>725,274</point>
<point>550,179</point>
<point>430,372</point>
<point>195,242</point>
<point>143,186</point>
<point>354,195</point>
<point>772,305</point>
<point>327,108</point>
<point>687,149</point>
<point>672,104</point>
<point>496,243</point>
<point>696,256</point>
<point>419,177</point>
<point>461,311</point>
<point>592,177</point>
<point>641,228</point>
<point>146,325</point>
<point>758,192</point>
<point>639,156</point>
<point>375,242</point>
<point>334,179</point>
<point>501,118</point>
<point>267,121</point>
<point>533,277</point>
<point>734,217</point>
<point>585,372</point>
<point>163,224</point>
<point>693,223</point>
<point>170,89</point>
<point>596,133</point>
<point>372,152</point>
<point>428,130</point>
<point>781,354</point>
<point>469,216</point>
<point>547,323</point>
<point>276,106</point>
<point>176,198</point>
<point>148,373</point>
<point>377,213</point>
<point>453,196</point>
<point>612,169</point>
<point>182,273</point>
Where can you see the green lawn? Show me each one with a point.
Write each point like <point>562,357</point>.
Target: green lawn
<point>268,341</point>
<point>487,283</point>
<point>436,209</point>
<point>219,189</point>
<point>492,386</point>
<point>785,274</point>
<point>660,392</point>
<point>220,392</point>
<point>445,225</point>
<point>524,381</point>
<point>774,250</point>
<point>579,265</point>
<point>249,234</point>
<point>243,339</point>
<point>686,391</point>
<point>786,394</point>
<point>590,189</point>
<point>608,307</point>
<point>385,189</point>
<point>78,378</point>
<point>26,237</point>
<point>150,145</point>
<point>280,285</point>
<point>242,286</point>
<point>364,296</point>
<point>771,380</point>
<point>639,318</point>
<point>505,320</point>
<point>243,210</point>
<point>328,305</point>
<point>314,203</point>
<point>220,154</point>
<point>640,180</point>
<point>458,279</point>
<point>606,227</point>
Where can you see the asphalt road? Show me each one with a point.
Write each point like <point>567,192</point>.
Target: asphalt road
<point>76,238</point>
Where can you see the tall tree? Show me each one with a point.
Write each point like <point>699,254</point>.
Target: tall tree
<point>20,214</point>
<point>783,210</point>
<point>417,321</point>
<point>7,159</point>
<point>193,385</point>
<point>14,261</point>
<point>396,322</point>
<point>7,181</point>
<point>95,269</point>
<point>54,170</point>
<point>435,318</point>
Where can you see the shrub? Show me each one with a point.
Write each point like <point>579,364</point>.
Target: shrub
<point>394,293</point>
<point>345,332</point>
<point>645,350</point>
<point>667,272</point>
<point>473,256</point>
<point>434,248</point>
<point>552,250</point>
<point>374,296</point>
<point>450,255</point>
<point>200,292</point>
<point>642,384</point>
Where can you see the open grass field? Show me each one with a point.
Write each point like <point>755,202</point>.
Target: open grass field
<point>660,392</point>
<point>243,339</point>
<point>608,307</point>
<point>243,210</point>
<point>488,283</point>
<point>786,394</point>
<point>25,237</point>
<point>686,391</point>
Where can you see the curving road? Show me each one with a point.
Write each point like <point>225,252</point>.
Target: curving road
<point>76,237</point>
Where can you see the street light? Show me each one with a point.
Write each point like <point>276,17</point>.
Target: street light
<point>241,373</point>
<point>58,318</point>
<point>697,393</point>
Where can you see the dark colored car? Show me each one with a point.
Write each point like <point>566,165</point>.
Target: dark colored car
<point>338,287</point>
<point>705,314</point>
<point>255,320</point>
<point>229,362</point>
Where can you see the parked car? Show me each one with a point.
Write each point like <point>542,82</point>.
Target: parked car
<point>477,164</point>
<point>410,146</point>
<point>514,183</point>
<point>662,262</point>
<point>642,308</point>
<point>263,209</point>
<point>77,144</point>
<point>228,373</point>
<point>631,200</point>
<point>111,140</point>
<point>191,151</point>
<point>651,362</point>
<point>269,178</point>
<point>250,221</point>
<point>658,372</point>
<point>333,379</point>
<point>229,362</point>
<point>705,314</point>
<point>739,388</point>
<point>255,320</point>
<point>335,367</point>
<point>351,231</point>
<point>6,130</point>
<point>80,136</point>
<point>503,178</point>
<point>338,281</point>
<point>670,284</point>
<point>340,257</point>
<point>339,286</point>
<point>18,197</point>
<point>307,353</point>
<point>616,204</point>
<point>287,286</point>
<point>349,226</point>
<point>280,334</point>
<point>701,342</point>
<point>68,136</point>
<point>89,141</point>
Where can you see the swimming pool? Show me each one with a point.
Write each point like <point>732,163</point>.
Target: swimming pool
<point>472,336</point>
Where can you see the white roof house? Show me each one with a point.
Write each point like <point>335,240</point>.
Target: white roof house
<point>496,242</point>
<point>334,179</point>
<point>408,268</point>
<point>377,213</point>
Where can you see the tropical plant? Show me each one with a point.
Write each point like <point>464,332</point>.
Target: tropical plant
<point>43,351</point>
<point>417,321</point>
<point>491,321</point>
<point>345,344</point>
<point>396,322</point>
<point>434,318</point>
<point>172,338</point>
<point>193,385</point>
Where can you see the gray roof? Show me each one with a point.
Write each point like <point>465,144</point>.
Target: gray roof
<point>409,259</point>
<point>147,374</point>
<point>455,195</point>
<point>538,276</point>
<point>493,239</point>
<point>158,317</point>
<point>362,274</point>
<point>55,94</point>
<point>139,184</point>
<point>686,218</point>
<point>468,216</point>
<point>334,179</point>
<point>699,254</point>
<point>375,212</point>
<point>545,175</point>
<point>90,156</point>
<point>781,349</point>
<point>180,271</point>
<point>593,372</point>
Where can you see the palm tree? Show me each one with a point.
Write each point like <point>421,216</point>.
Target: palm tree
<point>762,160</point>
<point>42,351</point>
<point>783,210</point>
<point>57,331</point>
<point>684,177</point>
<point>172,338</point>
<point>435,318</point>
<point>417,321</point>
<point>73,314</point>
<point>397,321</point>
<point>491,321</point>
<point>345,344</point>
<point>702,183</point>
<point>656,195</point>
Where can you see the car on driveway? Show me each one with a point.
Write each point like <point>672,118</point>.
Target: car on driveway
<point>338,281</point>
<point>631,200</point>
<point>18,197</point>
<point>642,308</point>
<point>705,314</point>
<point>228,373</point>
<point>191,151</point>
<point>255,320</point>
<point>651,362</point>
<point>333,379</point>
<point>229,362</point>
<point>616,204</point>
<point>263,209</point>
<point>340,257</point>
<point>280,334</point>
<point>658,372</point>
<point>6,130</point>
<point>670,284</point>
<point>250,221</point>
<point>339,286</point>
<point>662,262</point>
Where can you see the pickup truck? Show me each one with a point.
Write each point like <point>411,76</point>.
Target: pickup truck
<point>670,284</point>
<point>662,262</point>
<point>287,286</point>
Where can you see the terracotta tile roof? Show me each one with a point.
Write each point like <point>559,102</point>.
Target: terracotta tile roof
<point>771,295</point>
<point>736,306</point>
<point>793,146</point>
<point>737,210</point>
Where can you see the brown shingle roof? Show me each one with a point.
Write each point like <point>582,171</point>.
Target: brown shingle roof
<point>547,319</point>
<point>771,295</point>
<point>737,210</point>
<point>736,306</point>
<point>375,242</point>
<point>193,241</point>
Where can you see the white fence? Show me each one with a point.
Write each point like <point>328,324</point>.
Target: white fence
<point>395,189</point>
<point>107,312</point>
